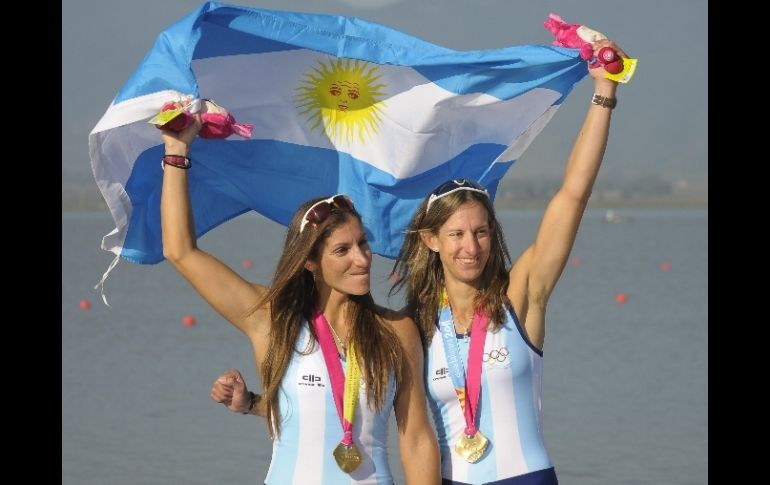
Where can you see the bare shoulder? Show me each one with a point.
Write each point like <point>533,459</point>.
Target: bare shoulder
<point>518,282</point>
<point>257,317</point>
<point>520,269</point>
<point>260,289</point>
<point>401,323</point>
<point>392,316</point>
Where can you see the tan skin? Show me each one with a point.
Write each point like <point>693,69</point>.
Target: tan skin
<point>464,241</point>
<point>342,270</point>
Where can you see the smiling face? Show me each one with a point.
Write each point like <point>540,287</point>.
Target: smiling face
<point>344,93</point>
<point>345,260</point>
<point>464,243</point>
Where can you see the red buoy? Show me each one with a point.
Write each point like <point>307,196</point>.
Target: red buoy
<point>247,264</point>
<point>665,266</point>
<point>188,320</point>
<point>394,277</point>
<point>621,298</point>
<point>576,261</point>
<point>85,305</point>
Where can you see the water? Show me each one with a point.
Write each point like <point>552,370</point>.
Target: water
<point>625,390</point>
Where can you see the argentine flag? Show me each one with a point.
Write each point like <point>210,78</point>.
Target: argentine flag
<point>338,104</point>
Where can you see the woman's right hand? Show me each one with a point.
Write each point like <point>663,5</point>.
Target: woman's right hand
<point>178,143</point>
<point>230,389</point>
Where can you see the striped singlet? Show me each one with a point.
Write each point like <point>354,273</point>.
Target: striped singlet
<point>509,410</point>
<point>311,429</point>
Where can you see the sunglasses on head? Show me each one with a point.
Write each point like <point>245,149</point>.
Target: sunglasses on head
<point>453,186</point>
<point>319,212</point>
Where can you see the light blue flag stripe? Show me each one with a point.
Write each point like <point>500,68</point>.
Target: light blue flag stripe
<point>273,176</point>
<point>230,30</point>
<point>227,185</point>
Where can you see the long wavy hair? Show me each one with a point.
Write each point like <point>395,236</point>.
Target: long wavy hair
<point>292,297</point>
<point>421,273</point>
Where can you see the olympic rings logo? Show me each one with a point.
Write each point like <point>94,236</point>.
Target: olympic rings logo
<point>498,355</point>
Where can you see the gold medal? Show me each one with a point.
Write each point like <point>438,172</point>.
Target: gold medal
<point>471,448</point>
<point>348,458</point>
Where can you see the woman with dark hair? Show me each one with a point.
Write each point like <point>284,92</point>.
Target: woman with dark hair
<point>316,319</point>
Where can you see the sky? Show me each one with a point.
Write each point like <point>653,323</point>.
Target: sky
<point>660,126</point>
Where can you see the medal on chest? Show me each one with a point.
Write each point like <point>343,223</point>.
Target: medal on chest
<point>472,444</point>
<point>347,457</point>
<point>345,389</point>
<point>471,448</point>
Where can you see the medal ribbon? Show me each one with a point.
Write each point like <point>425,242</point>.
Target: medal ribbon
<point>468,389</point>
<point>342,385</point>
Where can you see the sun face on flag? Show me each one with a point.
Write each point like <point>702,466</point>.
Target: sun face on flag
<point>342,97</point>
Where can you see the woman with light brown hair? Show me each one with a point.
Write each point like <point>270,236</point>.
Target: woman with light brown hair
<point>482,316</point>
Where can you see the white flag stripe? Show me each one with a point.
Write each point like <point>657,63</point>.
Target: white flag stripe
<point>422,124</point>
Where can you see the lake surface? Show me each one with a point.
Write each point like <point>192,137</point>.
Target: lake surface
<point>625,387</point>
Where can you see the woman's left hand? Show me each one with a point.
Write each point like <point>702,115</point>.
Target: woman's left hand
<point>597,73</point>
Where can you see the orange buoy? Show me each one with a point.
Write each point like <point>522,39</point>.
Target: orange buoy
<point>188,320</point>
<point>621,298</point>
<point>85,305</point>
<point>665,266</point>
<point>247,264</point>
<point>576,261</point>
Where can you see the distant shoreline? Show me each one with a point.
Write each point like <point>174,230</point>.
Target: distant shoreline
<point>651,202</point>
<point>672,202</point>
<point>648,192</point>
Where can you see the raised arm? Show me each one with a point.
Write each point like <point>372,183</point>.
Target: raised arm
<point>418,447</point>
<point>220,286</point>
<point>535,273</point>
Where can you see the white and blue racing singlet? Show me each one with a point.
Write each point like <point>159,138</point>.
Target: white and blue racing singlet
<point>509,410</point>
<point>311,429</point>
